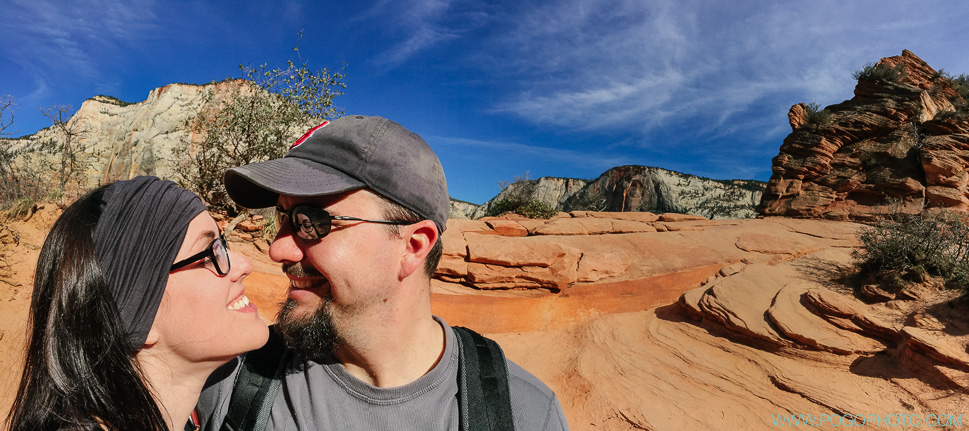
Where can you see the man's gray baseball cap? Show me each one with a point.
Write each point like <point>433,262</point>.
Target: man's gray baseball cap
<point>349,153</point>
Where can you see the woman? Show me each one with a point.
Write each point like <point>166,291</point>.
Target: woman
<point>136,301</point>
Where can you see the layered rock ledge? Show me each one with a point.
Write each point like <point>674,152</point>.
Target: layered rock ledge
<point>897,145</point>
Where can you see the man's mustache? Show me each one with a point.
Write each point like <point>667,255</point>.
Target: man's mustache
<point>299,270</point>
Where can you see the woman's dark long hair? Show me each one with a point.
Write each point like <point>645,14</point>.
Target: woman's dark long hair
<point>80,373</point>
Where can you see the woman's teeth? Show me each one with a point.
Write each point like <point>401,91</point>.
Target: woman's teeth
<point>242,302</point>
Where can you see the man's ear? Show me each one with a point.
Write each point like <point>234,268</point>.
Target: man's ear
<point>420,237</point>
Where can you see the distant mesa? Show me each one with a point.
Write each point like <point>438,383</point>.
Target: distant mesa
<point>902,141</point>
<point>636,189</point>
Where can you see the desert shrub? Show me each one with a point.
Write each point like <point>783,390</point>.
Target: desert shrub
<point>111,99</point>
<point>21,208</point>
<point>907,247</point>
<point>532,208</point>
<point>956,115</point>
<point>960,84</point>
<point>22,173</point>
<point>875,72</point>
<point>272,108</point>
<point>269,226</point>
<point>961,100</point>
<point>817,116</point>
<point>518,197</point>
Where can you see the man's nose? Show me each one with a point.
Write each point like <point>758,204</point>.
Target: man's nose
<point>284,248</point>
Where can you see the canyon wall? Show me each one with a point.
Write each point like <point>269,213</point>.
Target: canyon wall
<point>635,188</point>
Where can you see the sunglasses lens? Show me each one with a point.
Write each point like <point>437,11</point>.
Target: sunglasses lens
<point>310,223</point>
<point>304,226</point>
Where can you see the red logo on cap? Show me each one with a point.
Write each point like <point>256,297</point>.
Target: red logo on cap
<point>308,134</point>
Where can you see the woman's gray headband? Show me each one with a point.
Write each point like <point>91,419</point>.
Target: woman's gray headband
<point>142,226</point>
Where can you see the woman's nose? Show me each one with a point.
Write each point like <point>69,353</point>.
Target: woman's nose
<point>241,266</point>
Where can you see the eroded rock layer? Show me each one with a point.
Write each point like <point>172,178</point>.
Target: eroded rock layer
<point>897,144</point>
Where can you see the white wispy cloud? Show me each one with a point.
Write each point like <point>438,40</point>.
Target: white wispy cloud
<point>57,40</point>
<point>416,26</point>
<point>702,66</point>
<point>547,154</point>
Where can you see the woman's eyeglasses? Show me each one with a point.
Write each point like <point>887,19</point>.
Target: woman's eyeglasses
<point>218,251</point>
<point>311,223</point>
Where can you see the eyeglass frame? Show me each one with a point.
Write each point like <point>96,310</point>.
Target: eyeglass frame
<point>210,253</point>
<point>329,220</point>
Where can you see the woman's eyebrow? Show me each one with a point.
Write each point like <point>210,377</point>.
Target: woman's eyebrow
<point>205,237</point>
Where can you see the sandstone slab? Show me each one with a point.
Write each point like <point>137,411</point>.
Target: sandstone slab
<point>740,302</point>
<point>675,217</point>
<point>597,266</point>
<point>453,266</point>
<point>798,323</point>
<point>508,228</point>
<point>560,275</point>
<point>644,217</point>
<point>591,226</point>
<point>849,313</point>
<point>936,345</point>
<point>775,244</point>
<point>511,251</point>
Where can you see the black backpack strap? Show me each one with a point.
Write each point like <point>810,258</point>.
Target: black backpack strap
<point>256,385</point>
<point>485,399</point>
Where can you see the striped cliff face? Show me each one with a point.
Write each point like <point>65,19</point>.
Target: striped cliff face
<point>122,140</point>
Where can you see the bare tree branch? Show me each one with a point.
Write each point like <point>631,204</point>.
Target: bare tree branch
<point>6,115</point>
<point>69,148</point>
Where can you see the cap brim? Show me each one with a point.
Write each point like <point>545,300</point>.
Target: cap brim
<point>259,185</point>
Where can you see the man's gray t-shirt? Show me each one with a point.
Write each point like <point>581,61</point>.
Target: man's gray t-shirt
<point>324,396</point>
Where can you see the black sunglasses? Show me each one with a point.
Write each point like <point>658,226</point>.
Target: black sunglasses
<point>218,251</point>
<point>311,223</point>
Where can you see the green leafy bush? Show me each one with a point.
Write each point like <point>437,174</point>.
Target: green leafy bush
<point>110,99</point>
<point>532,208</point>
<point>879,72</point>
<point>908,247</point>
<point>259,122</point>
<point>960,84</point>
<point>961,100</point>
<point>817,116</point>
<point>518,197</point>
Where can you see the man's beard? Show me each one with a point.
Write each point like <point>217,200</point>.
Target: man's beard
<point>313,335</point>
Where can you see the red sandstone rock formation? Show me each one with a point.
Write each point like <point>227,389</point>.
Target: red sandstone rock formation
<point>500,253</point>
<point>588,303</point>
<point>886,146</point>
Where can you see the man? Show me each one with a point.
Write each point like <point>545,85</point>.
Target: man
<point>362,203</point>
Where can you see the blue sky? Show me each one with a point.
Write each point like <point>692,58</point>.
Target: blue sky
<point>563,88</point>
